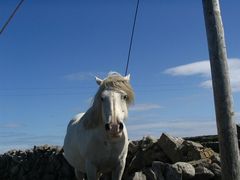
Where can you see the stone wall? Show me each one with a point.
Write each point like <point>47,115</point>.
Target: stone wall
<point>166,158</point>
<point>43,162</point>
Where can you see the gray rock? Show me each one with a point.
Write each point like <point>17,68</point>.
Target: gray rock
<point>203,173</point>
<point>158,168</point>
<point>216,169</point>
<point>150,174</point>
<point>177,171</point>
<point>216,159</point>
<point>154,154</point>
<point>147,142</point>
<point>170,145</point>
<point>201,162</point>
<point>133,147</point>
<point>14,170</point>
<point>190,151</point>
<point>171,173</point>
<point>147,152</point>
<point>178,149</point>
<point>48,177</point>
<point>186,169</point>
<point>137,163</point>
<point>137,176</point>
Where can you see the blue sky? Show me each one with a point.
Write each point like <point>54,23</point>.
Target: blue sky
<point>51,51</point>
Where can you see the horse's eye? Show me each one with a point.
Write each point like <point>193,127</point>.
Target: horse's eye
<point>124,97</point>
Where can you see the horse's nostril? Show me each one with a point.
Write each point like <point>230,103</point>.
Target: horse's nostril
<point>121,126</point>
<point>107,127</point>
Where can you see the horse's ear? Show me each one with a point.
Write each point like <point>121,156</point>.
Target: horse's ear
<point>98,80</point>
<point>127,78</point>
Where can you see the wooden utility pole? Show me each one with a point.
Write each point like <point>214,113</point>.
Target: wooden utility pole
<point>227,133</point>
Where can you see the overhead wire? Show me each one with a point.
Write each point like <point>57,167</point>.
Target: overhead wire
<point>11,16</point>
<point>160,86</point>
<point>131,40</point>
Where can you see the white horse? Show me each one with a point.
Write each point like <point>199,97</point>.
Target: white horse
<point>96,141</point>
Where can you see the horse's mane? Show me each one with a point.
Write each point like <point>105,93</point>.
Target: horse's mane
<point>114,81</point>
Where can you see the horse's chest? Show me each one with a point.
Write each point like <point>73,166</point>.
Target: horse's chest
<point>109,151</point>
<point>108,155</point>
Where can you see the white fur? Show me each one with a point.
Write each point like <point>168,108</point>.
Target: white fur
<point>93,151</point>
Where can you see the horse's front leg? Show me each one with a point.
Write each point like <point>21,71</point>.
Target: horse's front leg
<point>91,171</point>
<point>118,171</point>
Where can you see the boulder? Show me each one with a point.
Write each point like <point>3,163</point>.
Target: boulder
<point>158,169</point>
<point>190,151</point>
<point>201,162</point>
<point>216,169</point>
<point>143,153</point>
<point>203,173</point>
<point>178,149</point>
<point>170,146</point>
<point>136,163</point>
<point>216,159</point>
<point>150,174</point>
<point>147,142</point>
<point>137,176</point>
<point>186,169</point>
<point>133,147</point>
<point>172,173</point>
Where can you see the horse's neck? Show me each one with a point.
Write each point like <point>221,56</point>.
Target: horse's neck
<point>91,119</point>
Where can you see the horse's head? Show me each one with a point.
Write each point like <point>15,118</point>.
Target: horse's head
<point>115,95</point>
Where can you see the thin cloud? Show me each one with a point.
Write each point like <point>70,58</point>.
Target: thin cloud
<point>83,76</point>
<point>29,142</point>
<point>79,76</point>
<point>11,125</point>
<point>196,68</point>
<point>145,107</point>
<point>180,128</point>
<point>206,84</point>
<point>178,125</point>
<point>202,68</point>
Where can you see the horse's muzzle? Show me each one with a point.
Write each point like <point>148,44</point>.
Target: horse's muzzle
<point>114,129</point>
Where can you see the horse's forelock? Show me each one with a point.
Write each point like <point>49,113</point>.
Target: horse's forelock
<point>118,83</point>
